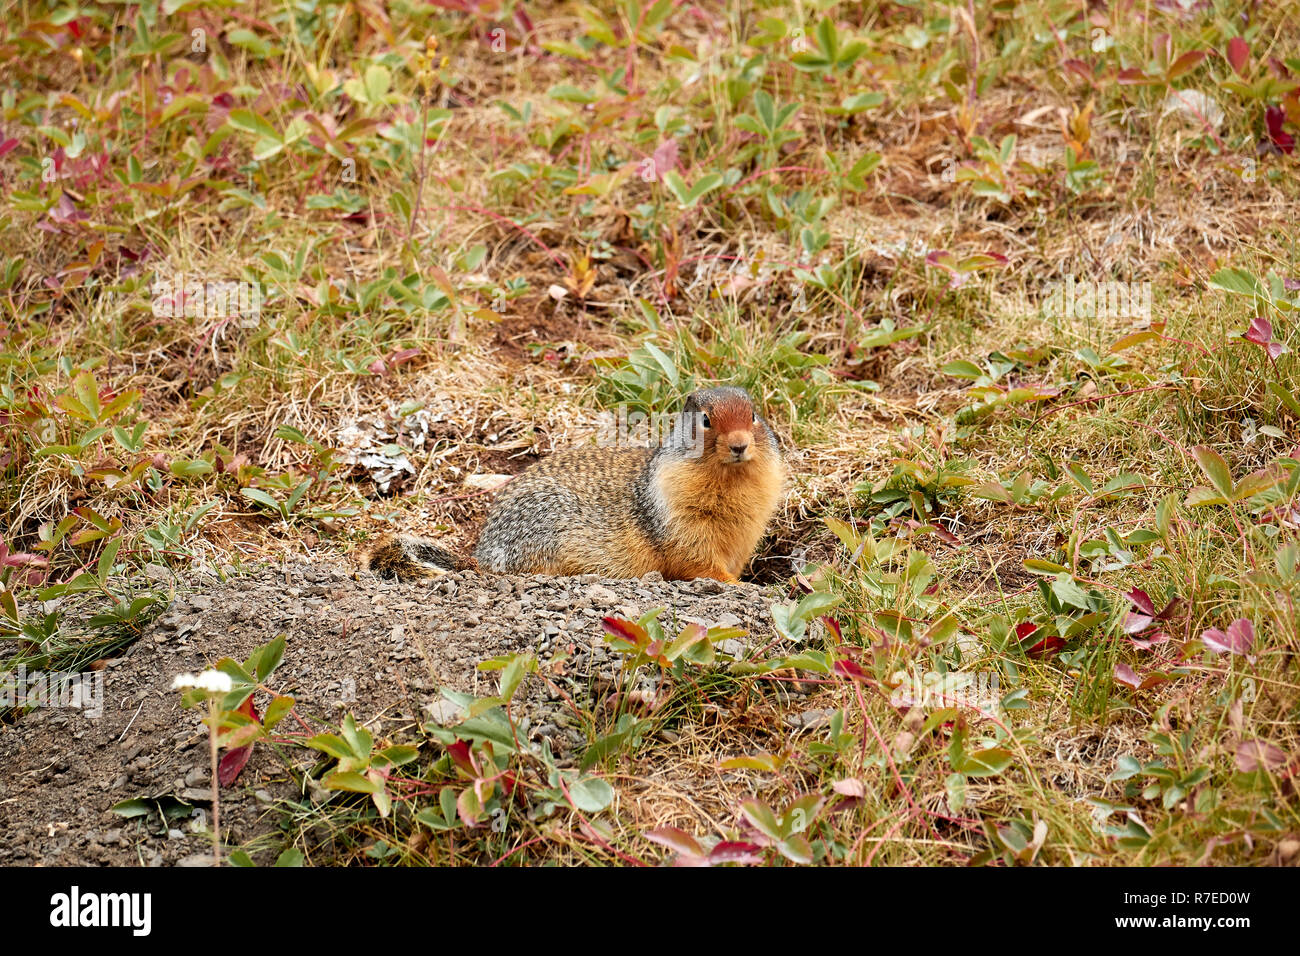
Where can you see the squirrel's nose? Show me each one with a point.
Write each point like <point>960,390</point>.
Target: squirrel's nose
<point>739,449</point>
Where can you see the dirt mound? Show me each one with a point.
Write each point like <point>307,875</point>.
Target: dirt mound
<point>354,644</point>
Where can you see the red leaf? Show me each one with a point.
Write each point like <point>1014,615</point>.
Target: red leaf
<point>1185,64</point>
<point>1024,629</point>
<point>735,852</point>
<point>1125,675</point>
<point>679,841</point>
<point>1274,116</point>
<point>629,631</point>
<point>945,535</point>
<point>460,756</point>
<point>232,764</point>
<point>1146,643</point>
<point>1133,623</point>
<point>940,258</point>
<point>1162,47</point>
<point>232,761</point>
<point>1238,55</point>
<point>1240,636</point>
<point>1134,77</point>
<point>523,20</point>
<point>1169,610</point>
<point>17,559</point>
<point>401,357</point>
<point>834,625</point>
<point>850,669</point>
<point>508,783</point>
<point>248,709</point>
<point>665,157</point>
<point>1252,754</point>
<point>1141,601</point>
<point>1048,645</point>
<point>1079,68</point>
<point>1261,333</point>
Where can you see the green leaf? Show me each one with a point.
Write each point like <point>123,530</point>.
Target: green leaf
<point>351,781</point>
<point>333,745</point>
<point>694,643</point>
<point>261,497</point>
<point>87,392</point>
<point>1285,397</point>
<point>1200,497</point>
<point>1215,468</point>
<point>1079,476</point>
<point>856,178</point>
<point>1039,566</point>
<point>687,196</point>
<point>1254,483</point>
<point>267,658</point>
<point>249,122</point>
<point>358,738</point>
<point>468,807</point>
<point>591,794</point>
<point>857,103</point>
<point>984,763</point>
<point>250,41</point>
<point>664,362</point>
<point>514,672</point>
<point>1126,766</point>
<point>289,433</point>
<point>955,785</point>
<point>378,80</point>
<point>796,849</point>
<point>276,710</point>
<point>1237,281</point>
<point>763,819</point>
<point>816,604</point>
<point>1067,591</point>
<point>130,809</point>
<point>963,369</point>
<point>397,755</point>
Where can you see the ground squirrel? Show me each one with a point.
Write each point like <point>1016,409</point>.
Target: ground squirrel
<point>694,507</point>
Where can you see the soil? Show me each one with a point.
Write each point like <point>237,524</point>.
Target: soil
<point>378,650</point>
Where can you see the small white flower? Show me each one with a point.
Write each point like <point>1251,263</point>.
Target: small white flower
<point>214,682</point>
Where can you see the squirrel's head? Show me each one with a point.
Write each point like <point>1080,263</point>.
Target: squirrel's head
<point>723,424</point>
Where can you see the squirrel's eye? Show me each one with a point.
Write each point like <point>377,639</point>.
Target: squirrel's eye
<point>753,419</point>
<point>704,420</point>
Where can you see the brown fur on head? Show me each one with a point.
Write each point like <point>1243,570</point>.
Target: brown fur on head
<point>724,425</point>
<point>717,488</point>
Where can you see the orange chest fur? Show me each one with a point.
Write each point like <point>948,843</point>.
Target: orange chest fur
<point>719,513</point>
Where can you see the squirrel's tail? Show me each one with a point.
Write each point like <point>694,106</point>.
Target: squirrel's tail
<point>406,558</point>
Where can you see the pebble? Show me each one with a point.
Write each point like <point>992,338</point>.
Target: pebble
<point>382,651</point>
